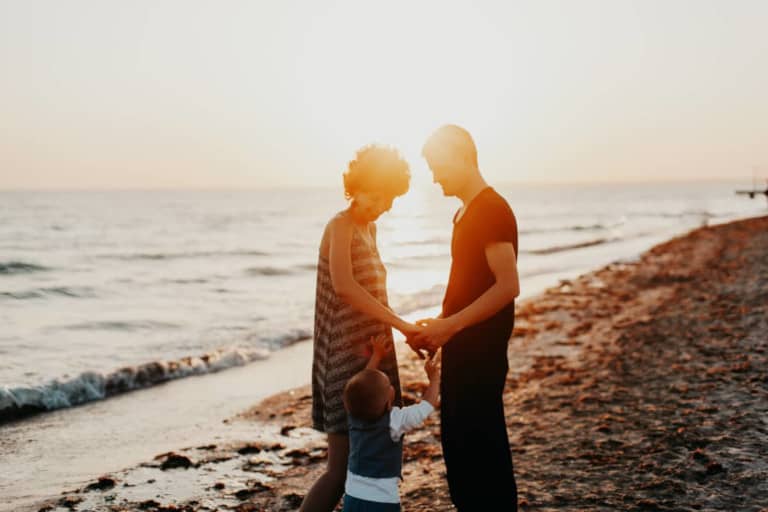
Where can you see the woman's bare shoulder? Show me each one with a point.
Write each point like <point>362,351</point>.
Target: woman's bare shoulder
<point>338,224</point>
<point>339,221</point>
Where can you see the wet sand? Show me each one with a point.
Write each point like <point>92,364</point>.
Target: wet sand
<point>639,386</point>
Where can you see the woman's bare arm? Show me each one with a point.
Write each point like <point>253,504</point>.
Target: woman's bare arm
<point>344,284</point>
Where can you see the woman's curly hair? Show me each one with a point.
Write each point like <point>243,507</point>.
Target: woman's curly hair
<point>378,169</point>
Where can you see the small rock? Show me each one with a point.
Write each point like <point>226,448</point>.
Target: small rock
<point>699,455</point>
<point>247,507</point>
<point>244,494</point>
<point>714,468</point>
<point>292,500</point>
<point>605,429</point>
<point>175,460</point>
<point>286,429</point>
<point>70,502</point>
<point>102,484</point>
<point>260,487</point>
<point>249,449</point>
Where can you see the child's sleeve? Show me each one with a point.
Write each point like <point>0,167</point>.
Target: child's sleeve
<point>401,420</point>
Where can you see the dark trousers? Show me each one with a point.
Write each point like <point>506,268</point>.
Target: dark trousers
<point>473,427</point>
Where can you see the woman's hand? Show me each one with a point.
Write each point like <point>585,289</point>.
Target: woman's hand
<point>412,332</point>
<point>436,332</point>
<point>408,329</point>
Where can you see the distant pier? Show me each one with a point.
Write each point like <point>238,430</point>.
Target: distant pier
<point>754,192</point>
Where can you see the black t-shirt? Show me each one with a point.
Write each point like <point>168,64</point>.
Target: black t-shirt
<point>487,219</point>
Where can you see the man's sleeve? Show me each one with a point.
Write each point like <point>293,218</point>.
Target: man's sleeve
<point>401,420</point>
<point>499,224</point>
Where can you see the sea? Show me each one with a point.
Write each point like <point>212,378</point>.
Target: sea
<point>106,292</point>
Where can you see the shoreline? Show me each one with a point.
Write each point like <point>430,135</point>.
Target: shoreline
<point>125,430</point>
<point>573,348</point>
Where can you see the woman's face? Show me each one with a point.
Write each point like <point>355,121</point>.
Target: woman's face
<point>369,206</point>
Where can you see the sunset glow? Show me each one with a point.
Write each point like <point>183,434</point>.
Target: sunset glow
<point>141,94</point>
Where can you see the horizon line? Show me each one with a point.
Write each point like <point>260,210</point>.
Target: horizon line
<point>233,188</point>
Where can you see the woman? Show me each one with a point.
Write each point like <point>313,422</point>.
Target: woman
<point>351,307</point>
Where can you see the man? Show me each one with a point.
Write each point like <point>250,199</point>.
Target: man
<point>474,328</point>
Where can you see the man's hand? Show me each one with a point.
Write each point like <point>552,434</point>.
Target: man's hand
<point>436,332</point>
<point>412,341</point>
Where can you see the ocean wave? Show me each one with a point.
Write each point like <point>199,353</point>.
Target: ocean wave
<point>427,241</point>
<point>268,271</point>
<point>191,280</point>
<point>598,226</point>
<point>20,401</point>
<point>569,247</point>
<point>541,271</point>
<point>121,326</point>
<point>283,340</point>
<point>60,291</point>
<point>181,255</point>
<point>19,267</point>
<point>16,402</point>
<point>281,271</point>
<point>704,214</point>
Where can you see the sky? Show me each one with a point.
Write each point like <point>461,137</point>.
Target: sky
<point>251,94</point>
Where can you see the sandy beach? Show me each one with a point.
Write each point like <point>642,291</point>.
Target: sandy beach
<point>638,386</point>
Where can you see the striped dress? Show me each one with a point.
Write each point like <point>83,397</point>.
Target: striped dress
<point>341,334</point>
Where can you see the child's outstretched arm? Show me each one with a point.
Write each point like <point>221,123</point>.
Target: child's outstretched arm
<point>432,367</point>
<point>410,417</point>
<point>380,345</point>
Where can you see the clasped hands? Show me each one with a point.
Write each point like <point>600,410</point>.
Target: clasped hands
<point>430,334</point>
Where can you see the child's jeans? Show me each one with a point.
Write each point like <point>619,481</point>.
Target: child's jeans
<point>352,504</point>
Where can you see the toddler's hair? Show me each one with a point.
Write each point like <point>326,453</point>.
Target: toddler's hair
<point>366,394</point>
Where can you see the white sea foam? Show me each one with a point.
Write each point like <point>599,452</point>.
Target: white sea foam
<point>89,386</point>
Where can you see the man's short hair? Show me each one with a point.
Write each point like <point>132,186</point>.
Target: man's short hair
<point>451,142</point>
<point>366,394</point>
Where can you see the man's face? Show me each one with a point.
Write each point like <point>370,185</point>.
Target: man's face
<point>447,174</point>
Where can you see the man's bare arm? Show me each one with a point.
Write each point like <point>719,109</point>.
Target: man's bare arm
<point>502,261</point>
